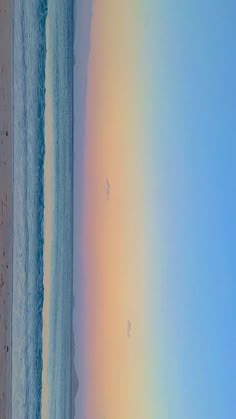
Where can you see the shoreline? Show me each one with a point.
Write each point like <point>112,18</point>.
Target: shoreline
<point>6,203</point>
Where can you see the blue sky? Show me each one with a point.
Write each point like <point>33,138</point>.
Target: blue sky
<point>193,172</point>
<point>195,178</point>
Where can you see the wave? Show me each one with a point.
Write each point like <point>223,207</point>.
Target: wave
<point>31,48</point>
<point>29,106</point>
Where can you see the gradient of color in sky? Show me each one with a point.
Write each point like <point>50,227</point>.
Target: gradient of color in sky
<point>158,212</point>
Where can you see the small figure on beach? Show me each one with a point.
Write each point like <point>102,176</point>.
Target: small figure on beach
<point>2,280</point>
<point>3,205</point>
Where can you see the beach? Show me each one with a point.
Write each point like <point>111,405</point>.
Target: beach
<point>6,206</point>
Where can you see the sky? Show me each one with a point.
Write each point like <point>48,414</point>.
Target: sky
<point>154,209</point>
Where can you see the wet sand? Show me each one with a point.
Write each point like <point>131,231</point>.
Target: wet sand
<point>6,205</point>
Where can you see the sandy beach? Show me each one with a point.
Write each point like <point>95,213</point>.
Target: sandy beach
<point>6,206</point>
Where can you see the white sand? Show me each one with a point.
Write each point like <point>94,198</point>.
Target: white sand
<point>6,205</point>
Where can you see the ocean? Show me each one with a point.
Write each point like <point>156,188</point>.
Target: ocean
<point>41,336</point>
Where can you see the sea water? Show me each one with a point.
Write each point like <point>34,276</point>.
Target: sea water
<point>60,82</point>
<point>29,52</point>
